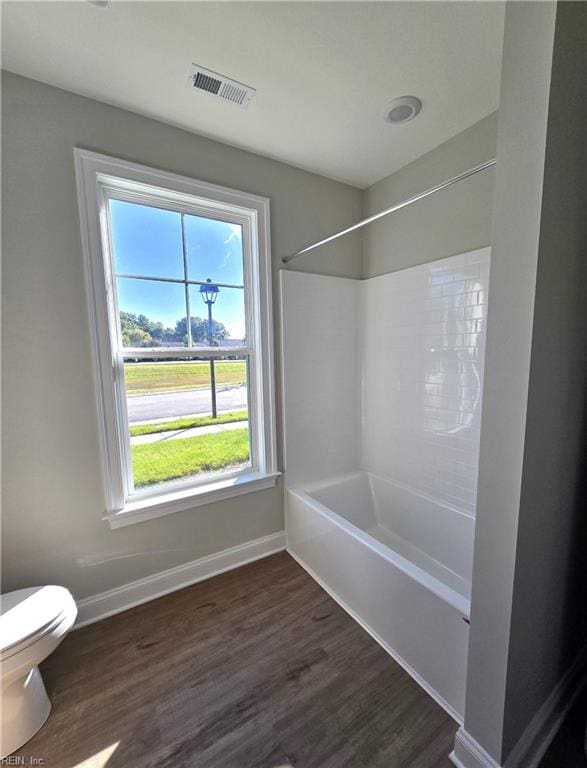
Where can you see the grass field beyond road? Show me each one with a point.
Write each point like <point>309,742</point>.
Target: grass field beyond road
<point>144,378</point>
<point>183,457</point>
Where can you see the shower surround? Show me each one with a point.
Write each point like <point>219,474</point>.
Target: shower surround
<point>383,384</point>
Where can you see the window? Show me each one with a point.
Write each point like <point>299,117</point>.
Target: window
<point>179,287</point>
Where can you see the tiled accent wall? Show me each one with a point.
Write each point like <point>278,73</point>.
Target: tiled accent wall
<point>423,338</point>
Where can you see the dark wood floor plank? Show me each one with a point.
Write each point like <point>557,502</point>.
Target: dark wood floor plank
<point>256,668</point>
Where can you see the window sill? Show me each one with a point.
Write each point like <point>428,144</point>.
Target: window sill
<point>179,501</point>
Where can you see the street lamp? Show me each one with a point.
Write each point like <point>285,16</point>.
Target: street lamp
<point>209,294</point>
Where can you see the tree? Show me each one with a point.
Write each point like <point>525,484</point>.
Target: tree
<point>140,331</point>
<point>199,328</point>
<point>136,337</point>
<point>136,330</point>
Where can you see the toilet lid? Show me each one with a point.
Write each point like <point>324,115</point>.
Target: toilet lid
<point>27,614</point>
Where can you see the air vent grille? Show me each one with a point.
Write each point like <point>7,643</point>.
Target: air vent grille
<point>233,93</point>
<point>222,87</point>
<point>207,83</point>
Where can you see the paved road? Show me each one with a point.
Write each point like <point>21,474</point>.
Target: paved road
<point>172,404</point>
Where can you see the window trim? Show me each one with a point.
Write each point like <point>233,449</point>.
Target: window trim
<point>99,177</point>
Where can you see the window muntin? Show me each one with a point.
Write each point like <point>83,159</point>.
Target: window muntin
<point>228,321</point>
<point>145,242</point>
<point>214,249</point>
<point>161,304</point>
<point>141,235</point>
<point>102,180</point>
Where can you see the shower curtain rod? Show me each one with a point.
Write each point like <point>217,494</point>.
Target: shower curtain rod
<point>396,207</point>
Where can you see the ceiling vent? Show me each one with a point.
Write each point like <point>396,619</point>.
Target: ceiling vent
<point>222,87</point>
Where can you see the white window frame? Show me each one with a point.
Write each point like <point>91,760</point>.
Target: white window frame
<point>100,178</point>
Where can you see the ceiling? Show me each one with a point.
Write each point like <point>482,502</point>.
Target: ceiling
<point>323,71</point>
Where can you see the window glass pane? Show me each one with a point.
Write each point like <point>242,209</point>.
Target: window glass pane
<point>152,313</point>
<point>227,311</point>
<point>214,250</point>
<point>146,240</point>
<point>173,433</point>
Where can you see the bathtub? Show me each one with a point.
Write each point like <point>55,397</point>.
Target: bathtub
<point>400,564</point>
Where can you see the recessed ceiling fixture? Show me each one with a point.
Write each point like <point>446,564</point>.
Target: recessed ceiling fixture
<point>401,110</point>
<point>220,86</point>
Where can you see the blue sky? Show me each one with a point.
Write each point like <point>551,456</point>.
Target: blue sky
<point>147,241</point>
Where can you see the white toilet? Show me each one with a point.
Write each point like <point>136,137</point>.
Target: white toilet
<point>32,624</point>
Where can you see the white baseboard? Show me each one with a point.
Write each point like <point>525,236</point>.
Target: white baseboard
<point>378,639</point>
<point>469,754</point>
<point>97,607</point>
<point>538,734</point>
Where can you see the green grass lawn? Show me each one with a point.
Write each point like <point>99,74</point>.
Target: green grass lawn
<point>182,457</point>
<point>142,378</point>
<point>187,423</point>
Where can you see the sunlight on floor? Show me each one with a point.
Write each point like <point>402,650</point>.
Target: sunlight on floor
<point>100,759</point>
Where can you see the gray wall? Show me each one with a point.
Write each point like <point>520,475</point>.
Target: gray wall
<point>517,205</point>
<point>52,496</point>
<point>552,534</point>
<point>525,627</point>
<point>455,220</point>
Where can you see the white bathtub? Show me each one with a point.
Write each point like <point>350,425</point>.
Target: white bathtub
<point>400,564</point>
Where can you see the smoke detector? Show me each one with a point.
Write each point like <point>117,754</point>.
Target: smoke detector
<point>402,110</point>
<point>220,86</point>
